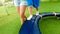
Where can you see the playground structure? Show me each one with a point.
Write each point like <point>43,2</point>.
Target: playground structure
<point>31,26</point>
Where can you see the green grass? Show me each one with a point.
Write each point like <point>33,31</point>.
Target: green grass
<point>10,24</point>
<point>49,25</point>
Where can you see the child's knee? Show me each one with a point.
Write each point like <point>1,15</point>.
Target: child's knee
<point>30,6</point>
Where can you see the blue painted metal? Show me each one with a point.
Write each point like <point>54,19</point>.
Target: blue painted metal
<point>31,26</point>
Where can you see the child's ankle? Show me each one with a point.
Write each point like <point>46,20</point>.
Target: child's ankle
<point>37,12</point>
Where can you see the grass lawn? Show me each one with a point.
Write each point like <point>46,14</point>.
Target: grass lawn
<point>10,24</point>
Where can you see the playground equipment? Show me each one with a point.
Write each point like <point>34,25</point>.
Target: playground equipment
<point>31,26</point>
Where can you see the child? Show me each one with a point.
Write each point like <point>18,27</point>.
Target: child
<point>32,3</point>
<point>21,6</point>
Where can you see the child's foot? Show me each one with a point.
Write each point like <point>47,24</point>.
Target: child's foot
<point>37,13</point>
<point>29,18</point>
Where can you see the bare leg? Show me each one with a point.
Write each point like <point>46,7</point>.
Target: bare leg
<point>18,9</point>
<point>22,11</point>
<point>30,12</point>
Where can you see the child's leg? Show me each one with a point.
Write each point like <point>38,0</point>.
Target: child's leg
<point>30,12</point>
<point>22,11</point>
<point>18,9</point>
<point>30,5</point>
<point>37,11</point>
<point>36,4</point>
<point>17,4</point>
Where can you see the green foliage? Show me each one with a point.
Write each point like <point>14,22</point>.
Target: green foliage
<point>7,0</point>
<point>1,4</point>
